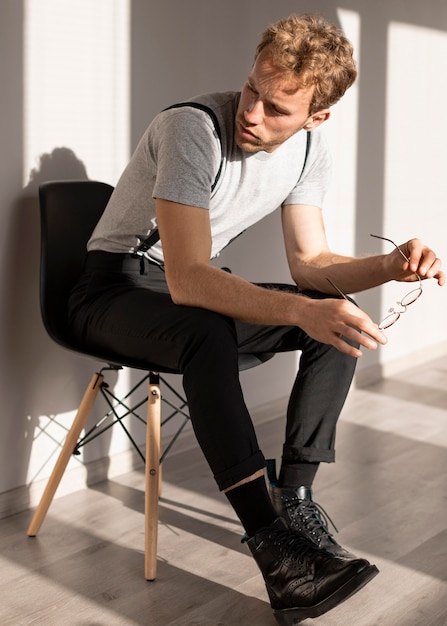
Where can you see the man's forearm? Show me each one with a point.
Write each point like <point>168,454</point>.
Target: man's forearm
<point>210,288</point>
<point>350,274</point>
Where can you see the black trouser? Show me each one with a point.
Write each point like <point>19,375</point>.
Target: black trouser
<point>117,306</point>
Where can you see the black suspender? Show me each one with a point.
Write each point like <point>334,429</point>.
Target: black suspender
<point>155,235</point>
<point>203,107</point>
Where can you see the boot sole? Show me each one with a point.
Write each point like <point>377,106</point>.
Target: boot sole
<point>289,617</point>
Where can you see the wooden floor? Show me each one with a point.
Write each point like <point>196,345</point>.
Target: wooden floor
<point>387,493</point>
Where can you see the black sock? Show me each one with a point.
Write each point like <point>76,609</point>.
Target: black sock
<point>297,474</point>
<point>252,505</point>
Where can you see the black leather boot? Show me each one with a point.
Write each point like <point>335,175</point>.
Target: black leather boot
<point>302,580</point>
<point>301,513</point>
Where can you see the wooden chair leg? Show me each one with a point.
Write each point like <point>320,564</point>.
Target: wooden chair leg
<point>152,476</point>
<point>67,450</point>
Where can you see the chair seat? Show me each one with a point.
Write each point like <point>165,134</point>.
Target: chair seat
<point>111,358</point>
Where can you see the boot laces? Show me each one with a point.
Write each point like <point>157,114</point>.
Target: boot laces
<point>295,546</point>
<point>315,518</point>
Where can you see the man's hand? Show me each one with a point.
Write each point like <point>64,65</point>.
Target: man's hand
<point>336,321</point>
<point>422,261</point>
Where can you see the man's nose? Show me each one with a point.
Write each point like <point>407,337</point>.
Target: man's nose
<point>254,112</point>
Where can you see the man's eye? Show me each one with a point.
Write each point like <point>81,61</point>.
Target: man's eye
<point>277,111</point>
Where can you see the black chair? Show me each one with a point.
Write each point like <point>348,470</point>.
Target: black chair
<point>69,212</point>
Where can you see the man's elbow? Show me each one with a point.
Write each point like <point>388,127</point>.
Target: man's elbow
<point>178,294</point>
<point>180,288</point>
<point>180,298</point>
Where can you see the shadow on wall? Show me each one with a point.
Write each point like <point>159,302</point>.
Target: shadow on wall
<point>60,164</point>
<point>48,379</point>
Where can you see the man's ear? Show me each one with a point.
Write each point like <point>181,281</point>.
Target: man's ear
<point>316,119</point>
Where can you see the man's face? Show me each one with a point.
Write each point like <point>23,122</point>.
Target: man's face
<point>271,108</point>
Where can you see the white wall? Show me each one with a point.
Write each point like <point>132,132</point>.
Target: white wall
<point>87,77</point>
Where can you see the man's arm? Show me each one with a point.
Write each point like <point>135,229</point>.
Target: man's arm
<point>311,261</point>
<point>186,239</point>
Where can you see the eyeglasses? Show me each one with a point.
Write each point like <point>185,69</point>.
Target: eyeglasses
<point>393,313</point>
<point>404,303</point>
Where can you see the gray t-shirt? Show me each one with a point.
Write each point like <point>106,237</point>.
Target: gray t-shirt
<point>178,158</point>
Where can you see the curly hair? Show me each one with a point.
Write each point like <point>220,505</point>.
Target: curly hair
<point>314,52</point>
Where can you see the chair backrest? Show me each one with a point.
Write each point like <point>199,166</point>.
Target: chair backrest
<point>69,211</point>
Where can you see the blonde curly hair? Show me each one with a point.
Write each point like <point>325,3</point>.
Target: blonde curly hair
<point>314,52</point>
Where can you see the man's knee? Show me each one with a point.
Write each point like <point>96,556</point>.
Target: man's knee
<point>212,333</point>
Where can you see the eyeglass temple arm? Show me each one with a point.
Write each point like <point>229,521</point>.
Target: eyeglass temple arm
<point>336,288</point>
<point>394,244</point>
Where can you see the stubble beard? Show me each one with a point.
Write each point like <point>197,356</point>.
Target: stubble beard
<point>258,145</point>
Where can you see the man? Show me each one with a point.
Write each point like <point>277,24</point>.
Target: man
<point>197,179</point>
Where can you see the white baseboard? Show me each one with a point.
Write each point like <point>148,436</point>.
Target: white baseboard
<point>371,375</point>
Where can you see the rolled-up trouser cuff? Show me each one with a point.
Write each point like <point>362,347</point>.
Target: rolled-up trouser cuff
<point>307,455</point>
<point>235,474</point>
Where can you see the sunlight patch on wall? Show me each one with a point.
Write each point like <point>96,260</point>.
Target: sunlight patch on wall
<point>416,136</point>
<point>76,84</point>
<point>76,125</point>
<point>416,128</point>
<point>50,430</point>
